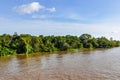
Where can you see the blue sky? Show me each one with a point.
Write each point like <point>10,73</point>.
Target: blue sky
<point>61,17</point>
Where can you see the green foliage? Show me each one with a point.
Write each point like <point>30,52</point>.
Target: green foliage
<point>6,51</point>
<point>103,42</point>
<point>17,44</point>
<point>85,37</point>
<point>94,42</point>
<point>25,43</point>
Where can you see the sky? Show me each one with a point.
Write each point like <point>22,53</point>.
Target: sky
<point>61,17</point>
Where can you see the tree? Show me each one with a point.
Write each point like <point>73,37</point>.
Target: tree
<point>85,39</point>
<point>17,44</point>
<point>103,42</point>
<point>93,41</point>
<point>26,43</point>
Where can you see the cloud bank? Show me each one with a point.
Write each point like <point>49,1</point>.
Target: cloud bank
<point>32,8</point>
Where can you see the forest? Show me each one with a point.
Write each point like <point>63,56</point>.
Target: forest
<point>26,43</point>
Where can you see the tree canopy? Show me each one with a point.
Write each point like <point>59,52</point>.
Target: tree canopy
<point>26,43</point>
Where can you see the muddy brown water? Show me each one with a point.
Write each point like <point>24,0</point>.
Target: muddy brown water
<point>100,64</point>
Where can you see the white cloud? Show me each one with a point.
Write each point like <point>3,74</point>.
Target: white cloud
<point>40,16</point>
<point>31,8</point>
<point>47,27</point>
<point>51,9</point>
<point>115,32</point>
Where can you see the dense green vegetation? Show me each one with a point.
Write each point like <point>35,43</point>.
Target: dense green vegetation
<point>25,43</point>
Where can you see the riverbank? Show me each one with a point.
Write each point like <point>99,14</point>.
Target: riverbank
<point>26,43</point>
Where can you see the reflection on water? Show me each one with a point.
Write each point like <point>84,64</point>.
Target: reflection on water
<point>100,64</point>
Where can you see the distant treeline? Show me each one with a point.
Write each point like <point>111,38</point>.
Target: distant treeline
<point>26,43</point>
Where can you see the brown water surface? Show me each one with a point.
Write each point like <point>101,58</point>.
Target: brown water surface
<point>100,64</point>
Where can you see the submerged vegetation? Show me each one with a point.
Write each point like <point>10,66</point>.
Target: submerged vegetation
<point>26,43</point>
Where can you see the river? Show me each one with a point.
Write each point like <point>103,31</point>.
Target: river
<point>99,64</point>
